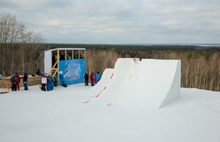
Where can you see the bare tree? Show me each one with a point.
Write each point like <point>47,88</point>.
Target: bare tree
<point>9,37</point>
<point>17,45</point>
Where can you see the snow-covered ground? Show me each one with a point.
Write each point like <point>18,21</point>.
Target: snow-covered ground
<point>62,116</point>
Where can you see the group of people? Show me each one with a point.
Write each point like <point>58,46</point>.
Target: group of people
<point>94,78</point>
<point>47,82</point>
<point>15,80</point>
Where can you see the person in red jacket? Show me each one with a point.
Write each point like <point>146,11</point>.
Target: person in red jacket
<point>18,81</point>
<point>91,79</point>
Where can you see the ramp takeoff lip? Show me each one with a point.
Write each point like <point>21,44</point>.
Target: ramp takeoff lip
<point>116,59</point>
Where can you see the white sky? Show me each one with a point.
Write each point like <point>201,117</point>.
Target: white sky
<point>119,21</point>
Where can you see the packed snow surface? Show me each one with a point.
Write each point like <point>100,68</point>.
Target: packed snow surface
<point>62,115</point>
<point>137,101</point>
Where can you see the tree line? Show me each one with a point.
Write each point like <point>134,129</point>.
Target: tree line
<point>20,48</point>
<point>120,48</point>
<point>199,69</point>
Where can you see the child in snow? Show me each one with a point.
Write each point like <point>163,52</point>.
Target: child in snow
<point>25,79</point>
<point>13,83</point>
<point>44,82</point>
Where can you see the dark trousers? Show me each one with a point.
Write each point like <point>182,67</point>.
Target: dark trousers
<point>14,87</point>
<point>86,82</point>
<point>43,87</point>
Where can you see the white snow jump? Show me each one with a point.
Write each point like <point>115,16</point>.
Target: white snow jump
<point>101,85</point>
<point>113,81</point>
<point>151,83</point>
<point>158,82</point>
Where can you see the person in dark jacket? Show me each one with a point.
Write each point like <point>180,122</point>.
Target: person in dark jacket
<point>25,79</point>
<point>86,79</point>
<point>13,83</point>
<point>18,81</point>
<point>38,72</point>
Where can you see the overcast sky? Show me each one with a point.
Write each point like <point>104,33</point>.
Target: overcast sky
<point>119,21</point>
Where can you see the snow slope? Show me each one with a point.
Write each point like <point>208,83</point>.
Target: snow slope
<point>59,115</point>
<point>118,109</point>
<point>157,83</point>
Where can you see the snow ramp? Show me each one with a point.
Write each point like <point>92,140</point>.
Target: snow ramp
<point>124,67</point>
<point>149,83</point>
<point>113,81</point>
<point>158,83</point>
<point>100,86</point>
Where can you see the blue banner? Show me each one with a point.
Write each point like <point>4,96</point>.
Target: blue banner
<point>72,71</point>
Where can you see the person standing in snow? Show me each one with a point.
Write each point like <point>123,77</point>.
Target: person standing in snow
<point>98,76</point>
<point>25,79</point>
<point>13,83</point>
<point>18,81</point>
<point>49,82</point>
<point>44,82</point>
<point>86,76</point>
<point>91,79</point>
<point>94,78</point>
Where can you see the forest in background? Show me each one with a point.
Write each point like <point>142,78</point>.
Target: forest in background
<point>21,49</point>
<point>200,68</point>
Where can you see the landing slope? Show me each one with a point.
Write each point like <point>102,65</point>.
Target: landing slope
<point>148,83</point>
<point>157,83</point>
